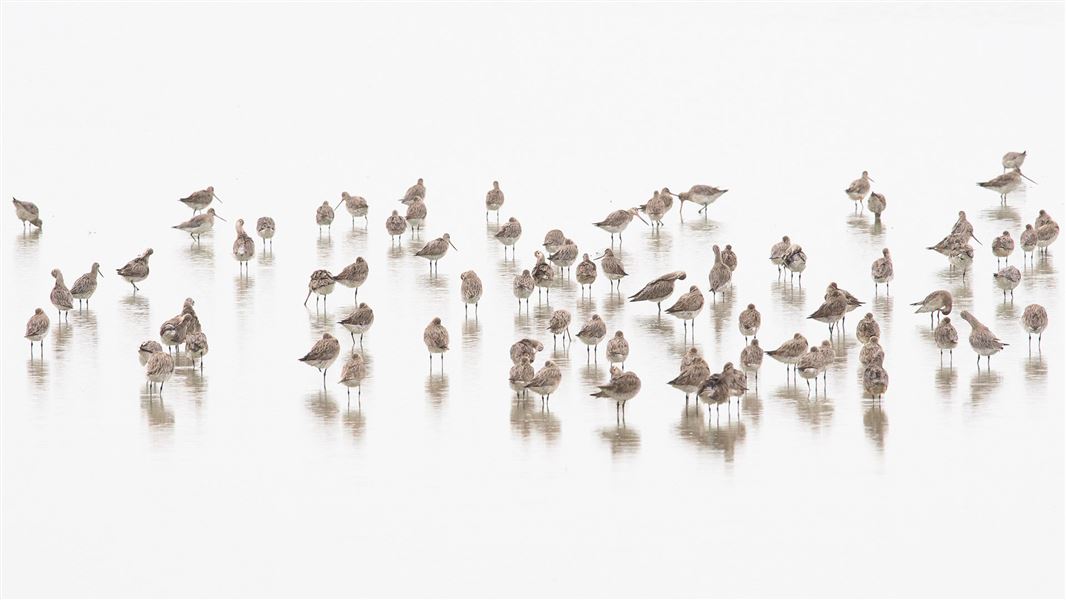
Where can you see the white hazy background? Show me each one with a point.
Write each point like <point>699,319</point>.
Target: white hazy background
<point>251,480</point>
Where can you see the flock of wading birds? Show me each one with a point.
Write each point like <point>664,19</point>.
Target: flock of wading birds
<point>808,362</point>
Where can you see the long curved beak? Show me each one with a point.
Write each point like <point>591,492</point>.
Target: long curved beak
<point>216,196</point>
<point>100,273</point>
<point>599,257</point>
<point>339,204</point>
<point>641,218</point>
<point>220,217</point>
<point>1030,180</point>
<point>975,239</point>
<point>868,177</point>
<point>452,245</point>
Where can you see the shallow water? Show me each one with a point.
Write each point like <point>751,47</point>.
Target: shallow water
<point>249,478</point>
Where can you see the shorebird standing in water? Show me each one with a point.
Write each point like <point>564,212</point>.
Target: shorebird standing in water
<point>352,375</point>
<point>322,355</point>
<point>946,337</point>
<point>416,191</point>
<point>882,271</point>
<point>196,346</point>
<point>795,260</point>
<point>559,324</point>
<point>174,331</point>
<point>877,204</point>
<point>687,307</point>
<point>1007,279</point>
<point>493,201</point>
<point>613,269</point>
<point>565,256</point>
<point>508,235</point>
<point>543,274</point>
<point>27,212</point>
<point>546,381</point>
<point>658,289</point>
<point>199,225</point>
<point>982,340</point>
<point>858,189</point>
<point>832,310</point>
<point>751,359</point>
<point>359,321</point>
<point>324,217</point>
<point>243,246</point>
<point>36,329</point>
<point>357,207</point>
<point>749,321</point>
<point>617,221</point>
<point>1028,239</point>
<point>655,208</point>
<point>354,275</point>
<point>871,351</point>
<point>520,375</point>
<point>729,259</point>
<point>1002,247</point>
<point>1013,160</point>
<point>1034,320</point>
<point>694,371</point>
<point>85,286</point>
<point>618,349</point>
<point>867,328</point>
<point>789,351</point>
<point>523,287</point>
<point>470,289</point>
<point>321,284</point>
<point>136,270</point>
<point>395,225</point>
<point>586,273</point>
<point>778,252</point>
<point>875,379</point>
<point>702,195</point>
<point>61,297</point>
<point>198,201</point>
<point>720,274</point>
<point>264,226</point>
<point>938,302</point>
<point>434,250</point>
<point>622,388</point>
<point>416,215</point>
<point>158,370</point>
<point>553,240</point>
<point>1005,184</point>
<point>592,334</point>
<point>525,348</point>
<point>435,337</point>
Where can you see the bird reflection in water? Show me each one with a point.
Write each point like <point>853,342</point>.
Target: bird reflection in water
<point>528,417</point>
<point>660,325</point>
<point>613,305</point>
<point>622,438</point>
<point>324,249</point>
<point>354,421</point>
<point>26,245</point>
<point>1006,311</point>
<point>471,335</point>
<point>37,369</point>
<point>322,406</point>
<point>793,298</point>
<point>721,314</point>
<point>242,288</point>
<point>875,422</point>
<point>1036,366</point>
<point>593,375</point>
<point>437,388</point>
<point>160,418</point>
<point>752,405</point>
<point>201,257</point>
<point>61,336</point>
<point>946,380</point>
<point>982,384</point>
<point>724,436</point>
<point>1007,216</point>
<point>816,412</point>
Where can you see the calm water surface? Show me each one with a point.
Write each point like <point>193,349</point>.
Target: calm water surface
<point>250,478</point>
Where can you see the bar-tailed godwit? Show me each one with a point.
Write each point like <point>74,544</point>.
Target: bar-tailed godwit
<point>1034,320</point>
<point>199,200</point>
<point>356,205</point>
<point>27,212</point>
<point>618,349</point>
<point>658,289</point>
<point>359,321</point>
<point>435,337</point>
<point>494,200</point>
<point>36,329</point>
<point>322,354</point>
<point>982,340</point>
<point>354,275</point>
<point>85,286</point>
<point>61,297</point>
<point>199,225</point>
